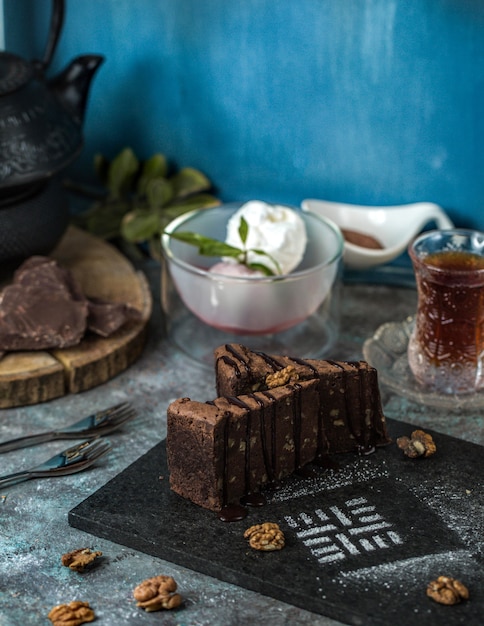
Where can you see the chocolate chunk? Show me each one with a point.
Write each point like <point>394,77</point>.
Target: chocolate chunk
<point>44,273</point>
<point>31,319</point>
<point>105,318</point>
<point>45,307</point>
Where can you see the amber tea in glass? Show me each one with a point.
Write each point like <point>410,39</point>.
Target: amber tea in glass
<point>446,348</point>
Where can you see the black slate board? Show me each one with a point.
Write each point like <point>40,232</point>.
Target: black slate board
<point>362,541</point>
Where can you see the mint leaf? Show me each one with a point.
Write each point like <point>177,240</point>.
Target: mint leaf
<point>261,268</point>
<point>213,247</point>
<point>243,230</point>
<point>269,256</point>
<point>206,245</point>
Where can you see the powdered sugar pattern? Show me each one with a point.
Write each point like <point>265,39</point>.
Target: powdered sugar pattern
<point>352,529</point>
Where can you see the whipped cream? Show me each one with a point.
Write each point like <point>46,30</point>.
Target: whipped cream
<point>275,229</point>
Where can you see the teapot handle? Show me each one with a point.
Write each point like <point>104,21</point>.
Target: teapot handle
<point>56,22</point>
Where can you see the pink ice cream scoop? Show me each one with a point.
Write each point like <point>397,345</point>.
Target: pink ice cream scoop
<point>234,269</point>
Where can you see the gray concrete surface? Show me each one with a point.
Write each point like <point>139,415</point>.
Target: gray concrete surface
<point>34,532</point>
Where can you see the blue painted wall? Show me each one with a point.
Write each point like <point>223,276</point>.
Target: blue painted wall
<point>365,101</point>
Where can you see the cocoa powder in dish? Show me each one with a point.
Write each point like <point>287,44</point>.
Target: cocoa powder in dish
<point>361,239</point>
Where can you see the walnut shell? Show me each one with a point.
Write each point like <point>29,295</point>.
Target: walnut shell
<point>157,593</point>
<point>266,537</point>
<point>73,614</point>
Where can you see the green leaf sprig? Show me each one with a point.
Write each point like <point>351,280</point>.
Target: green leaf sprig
<point>137,199</point>
<point>213,247</point>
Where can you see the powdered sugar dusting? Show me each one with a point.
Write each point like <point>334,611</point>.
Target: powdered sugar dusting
<point>408,570</point>
<point>360,470</point>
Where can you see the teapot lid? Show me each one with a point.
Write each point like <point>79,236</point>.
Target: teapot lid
<point>39,136</point>
<point>14,72</point>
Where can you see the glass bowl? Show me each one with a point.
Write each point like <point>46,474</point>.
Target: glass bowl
<point>297,311</point>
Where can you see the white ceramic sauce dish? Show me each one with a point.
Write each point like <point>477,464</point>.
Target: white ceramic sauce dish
<point>394,227</point>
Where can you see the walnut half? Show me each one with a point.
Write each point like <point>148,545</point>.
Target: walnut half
<point>157,593</point>
<point>78,560</point>
<point>281,377</point>
<point>73,614</point>
<point>419,444</point>
<point>265,537</point>
<point>446,590</point>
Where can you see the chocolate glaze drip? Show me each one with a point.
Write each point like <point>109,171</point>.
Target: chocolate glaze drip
<point>271,467</point>
<point>296,424</point>
<point>250,499</point>
<point>352,363</point>
<point>234,364</point>
<point>369,437</point>
<point>351,417</point>
<point>321,441</point>
<point>322,459</point>
<point>277,365</point>
<point>248,427</point>
<point>271,361</point>
<point>306,364</point>
<point>237,402</point>
<point>240,359</point>
<point>232,513</point>
<point>225,480</point>
<point>366,450</point>
<point>336,364</point>
<point>237,355</point>
<point>228,361</point>
<point>352,423</point>
<point>231,363</point>
<point>263,438</point>
<point>229,512</point>
<point>254,499</point>
<point>364,446</point>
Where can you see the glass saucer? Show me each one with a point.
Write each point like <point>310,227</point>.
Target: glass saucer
<point>387,352</point>
<point>313,338</point>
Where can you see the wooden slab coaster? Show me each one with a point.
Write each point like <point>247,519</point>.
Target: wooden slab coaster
<point>103,272</point>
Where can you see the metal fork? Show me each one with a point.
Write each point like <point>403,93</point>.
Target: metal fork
<point>70,461</point>
<point>95,425</point>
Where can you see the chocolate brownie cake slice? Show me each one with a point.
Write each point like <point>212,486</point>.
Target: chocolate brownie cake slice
<point>272,416</point>
<point>351,415</point>
<point>220,451</point>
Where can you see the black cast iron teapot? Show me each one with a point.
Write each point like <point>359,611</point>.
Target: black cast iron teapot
<point>41,119</point>
<point>40,134</point>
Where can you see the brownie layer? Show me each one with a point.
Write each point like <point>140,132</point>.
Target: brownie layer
<point>221,451</point>
<point>351,415</point>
